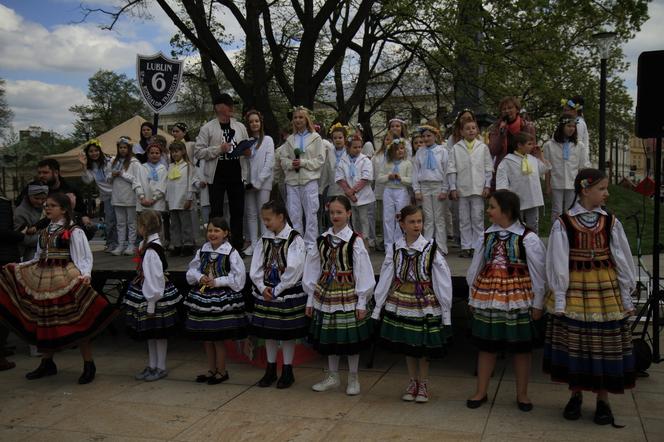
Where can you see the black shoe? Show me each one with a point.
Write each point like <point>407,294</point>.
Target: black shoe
<point>524,406</point>
<point>604,416</point>
<point>573,408</point>
<point>287,378</point>
<point>177,251</point>
<point>270,375</point>
<point>472,404</point>
<point>204,378</point>
<point>218,378</point>
<point>46,368</point>
<point>89,371</point>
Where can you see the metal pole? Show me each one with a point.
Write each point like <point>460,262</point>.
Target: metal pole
<point>616,166</point>
<point>610,164</point>
<point>602,116</point>
<point>655,252</point>
<point>155,124</point>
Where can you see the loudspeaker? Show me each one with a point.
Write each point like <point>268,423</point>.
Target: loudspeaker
<point>650,95</point>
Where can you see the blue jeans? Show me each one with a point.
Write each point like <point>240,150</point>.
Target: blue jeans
<point>110,222</point>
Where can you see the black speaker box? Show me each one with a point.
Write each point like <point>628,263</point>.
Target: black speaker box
<point>650,95</point>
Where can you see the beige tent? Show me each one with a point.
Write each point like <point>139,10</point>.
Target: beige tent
<point>69,164</point>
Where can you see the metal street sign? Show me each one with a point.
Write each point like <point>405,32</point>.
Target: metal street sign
<point>159,79</point>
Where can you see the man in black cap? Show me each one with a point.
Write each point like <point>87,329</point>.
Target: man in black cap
<point>216,145</point>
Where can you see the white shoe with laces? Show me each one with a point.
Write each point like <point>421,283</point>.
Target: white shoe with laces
<point>353,387</point>
<point>330,382</point>
<point>118,251</point>
<point>411,391</point>
<point>422,393</point>
<point>129,251</point>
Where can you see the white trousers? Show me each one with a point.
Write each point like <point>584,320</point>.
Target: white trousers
<point>181,230</point>
<point>302,202</point>
<point>253,201</point>
<point>393,201</point>
<point>561,199</point>
<point>434,214</point>
<point>126,224</point>
<point>530,218</point>
<point>361,220</point>
<point>471,220</point>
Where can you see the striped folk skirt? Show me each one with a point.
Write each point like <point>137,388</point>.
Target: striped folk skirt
<point>282,318</point>
<point>589,356</point>
<point>339,333</point>
<point>216,314</point>
<point>498,330</point>
<point>52,320</point>
<point>412,325</point>
<point>162,324</point>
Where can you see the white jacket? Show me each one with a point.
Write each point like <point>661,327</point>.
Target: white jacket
<point>363,171</point>
<point>90,175</point>
<point>311,160</point>
<point>563,172</point>
<point>438,174</point>
<point>124,186</point>
<point>529,187</point>
<point>469,172</point>
<point>261,165</point>
<point>209,141</point>
<point>329,172</point>
<point>151,189</point>
<point>182,189</point>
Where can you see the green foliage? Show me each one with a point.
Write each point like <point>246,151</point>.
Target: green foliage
<point>114,98</point>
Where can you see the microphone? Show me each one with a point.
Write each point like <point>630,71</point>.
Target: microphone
<point>502,128</point>
<point>297,153</point>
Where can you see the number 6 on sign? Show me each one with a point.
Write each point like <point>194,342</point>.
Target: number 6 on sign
<point>158,82</point>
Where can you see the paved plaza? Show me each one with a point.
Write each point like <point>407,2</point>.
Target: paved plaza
<point>115,407</point>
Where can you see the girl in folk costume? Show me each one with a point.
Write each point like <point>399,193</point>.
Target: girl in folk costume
<point>414,295</point>
<point>339,281</point>
<point>430,166</point>
<point>501,133</point>
<point>151,302</point>
<point>302,158</point>
<point>396,175</point>
<point>125,170</point>
<point>279,300</point>
<point>354,174</point>
<point>590,270</point>
<point>181,186</point>
<point>48,301</point>
<point>152,182</point>
<point>97,168</point>
<point>180,132</point>
<point>521,173</point>
<point>507,286</point>
<point>568,157</point>
<point>215,307</point>
<point>470,174</point>
<point>259,179</point>
<point>140,149</point>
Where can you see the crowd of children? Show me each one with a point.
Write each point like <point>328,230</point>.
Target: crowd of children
<point>322,286</point>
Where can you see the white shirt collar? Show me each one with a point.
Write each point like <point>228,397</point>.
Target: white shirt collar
<point>419,244</point>
<point>284,234</point>
<point>224,248</point>
<point>152,238</point>
<point>345,233</point>
<point>516,228</point>
<point>578,209</point>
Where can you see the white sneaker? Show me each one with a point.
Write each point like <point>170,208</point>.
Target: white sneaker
<point>248,251</point>
<point>147,371</point>
<point>129,251</point>
<point>117,251</point>
<point>330,382</point>
<point>422,393</point>
<point>156,374</point>
<point>353,387</point>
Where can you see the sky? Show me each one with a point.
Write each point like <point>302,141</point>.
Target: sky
<point>47,54</point>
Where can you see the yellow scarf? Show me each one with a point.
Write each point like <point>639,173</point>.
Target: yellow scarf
<point>525,164</point>
<point>470,145</point>
<point>174,171</point>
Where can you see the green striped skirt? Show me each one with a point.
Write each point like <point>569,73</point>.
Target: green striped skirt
<point>339,333</point>
<point>498,330</point>
<point>417,337</point>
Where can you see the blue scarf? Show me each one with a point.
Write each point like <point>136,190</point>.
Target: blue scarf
<point>395,169</point>
<point>566,150</point>
<point>338,153</point>
<point>352,170</point>
<point>100,175</point>
<point>152,170</point>
<point>301,136</point>
<point>431,158</point>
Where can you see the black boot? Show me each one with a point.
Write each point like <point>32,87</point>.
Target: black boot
<point>287,378</point>
<point>46,368</point>
<point>270,375</point>
<point>573,408</point>
<point>89,371</point>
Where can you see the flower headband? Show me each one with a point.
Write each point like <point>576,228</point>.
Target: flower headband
<point>397,119</point>
<point>336,126</point>
<point>571,104</point>
<point>586,182</point>
<point>566,120</point>
<point>426,127</point>
<point>124,140</point>
<point>397,141</point>
<point>93,142</point>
